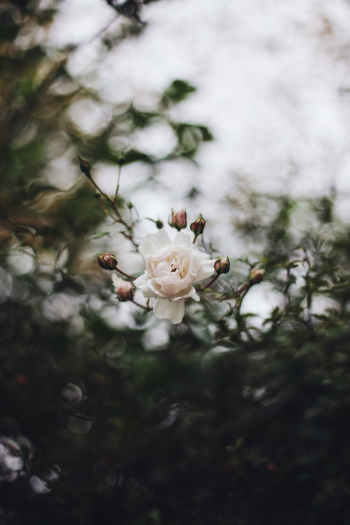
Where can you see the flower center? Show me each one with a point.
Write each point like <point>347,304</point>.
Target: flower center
<point>177,266</point>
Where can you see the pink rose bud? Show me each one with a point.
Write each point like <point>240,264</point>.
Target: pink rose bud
<point>271,467</point>
<point>198,226</point>
<point>222,265</point>
<point>256,276</point>
<point>107,261</point>
<point>124,289</point>
<point>178,219</point>
<point>85,166</point>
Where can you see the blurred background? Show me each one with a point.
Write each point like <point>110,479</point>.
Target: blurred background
<point>238,112</point>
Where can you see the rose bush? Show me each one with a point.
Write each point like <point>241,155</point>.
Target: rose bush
<point>171,269</point>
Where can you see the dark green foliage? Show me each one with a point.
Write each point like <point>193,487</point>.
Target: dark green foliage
<point>255,435</point>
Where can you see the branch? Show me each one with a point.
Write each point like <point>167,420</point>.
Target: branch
<point>86,169</point>
<point>141,306</point>
<point>125,274</point>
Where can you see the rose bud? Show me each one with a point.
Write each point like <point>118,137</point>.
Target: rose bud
<point>107,261</point>
<point>271,467</point>
<point>198,226</point>
<point>124,289</point>
<point>222,265</point>
<point>20,379</point>
<point>256,276</point>
<point>178,219</point>
<point>85,166</point>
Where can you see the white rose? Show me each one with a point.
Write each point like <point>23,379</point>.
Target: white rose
<point>171,269</point>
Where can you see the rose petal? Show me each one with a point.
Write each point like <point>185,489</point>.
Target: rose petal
<point>156,289</point>
<point>153,242</point>
<point>183,294</point>
<point>171,288</point>
<point>116,280</point>
<point>202,255</point>
<point>206,270</point>
<point>164,309</point>
<point>142,283</point>
<point>148,292</point>
<point>163,269</point>
<point>183,239</point>
<point>196,261</point>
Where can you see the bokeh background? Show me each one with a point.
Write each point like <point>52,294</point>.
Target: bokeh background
<point>236,111</point>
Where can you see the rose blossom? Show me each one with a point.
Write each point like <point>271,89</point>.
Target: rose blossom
<point>171,269</point>
<point>123,289</point>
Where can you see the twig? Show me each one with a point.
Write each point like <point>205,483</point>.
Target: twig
<point>107,212</point>
<point>129,234</point>
<point>210,283</point>
<point>100,33</point>
<point>308,288</point>
<point>141,306</point>
<point>125,274</point>
<point>244,289</point>
<point>118,183</point>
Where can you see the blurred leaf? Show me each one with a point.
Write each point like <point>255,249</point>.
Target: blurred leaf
<point>179,90</point>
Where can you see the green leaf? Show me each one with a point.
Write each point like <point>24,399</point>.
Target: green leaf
<point>178,90</point>
<point>98,235</point>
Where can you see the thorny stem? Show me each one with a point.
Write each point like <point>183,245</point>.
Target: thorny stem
<point>107,212</point>
<point>210,283</point>
<point>104,30</point>
<point>286,290</point>
<point>118,183</point>
<point>125,274</point>
<point>308,288</point>
<point>98,189</point>
<point>243,290</point>
<point>141,306</point>
<point>128,235</point>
